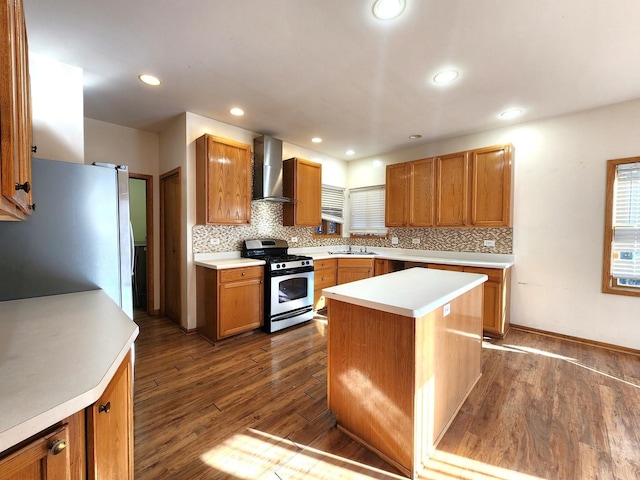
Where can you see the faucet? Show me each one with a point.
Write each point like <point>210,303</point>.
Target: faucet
<point>349,249</point>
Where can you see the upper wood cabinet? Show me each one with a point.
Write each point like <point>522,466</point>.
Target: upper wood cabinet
<point>302,183</point>
<point>452,190</point>
<point>410,194</point>
<point>491,183</point>
<point>474,188</point>
<point>223,181</point>
<point>15,114</point>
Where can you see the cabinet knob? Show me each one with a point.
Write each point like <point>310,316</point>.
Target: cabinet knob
<point>32,207</point>
<point>26,186</point>
<point>104,408</point>
<point>34,148</point>
<point>57,446</point>
<point>244,274</point>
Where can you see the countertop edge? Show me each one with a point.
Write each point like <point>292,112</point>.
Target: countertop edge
<point>222,264</point>
<point>331,293</point>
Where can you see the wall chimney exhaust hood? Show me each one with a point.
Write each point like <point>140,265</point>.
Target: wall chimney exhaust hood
<point>267,169</point>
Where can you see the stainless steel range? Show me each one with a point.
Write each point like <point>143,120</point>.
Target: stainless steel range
<point>288,287</point>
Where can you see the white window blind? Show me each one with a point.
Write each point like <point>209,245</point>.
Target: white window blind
<point>332,204</point>
<point>625,261</point>
<point>366,207</point>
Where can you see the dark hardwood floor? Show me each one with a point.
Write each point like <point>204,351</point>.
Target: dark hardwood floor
<point>255,407</point>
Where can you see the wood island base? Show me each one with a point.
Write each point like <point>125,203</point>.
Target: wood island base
<point>395,383</point>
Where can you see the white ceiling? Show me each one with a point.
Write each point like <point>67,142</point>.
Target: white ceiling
<point>328,68</point>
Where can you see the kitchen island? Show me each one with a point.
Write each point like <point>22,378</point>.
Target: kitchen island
<point>404,351</point>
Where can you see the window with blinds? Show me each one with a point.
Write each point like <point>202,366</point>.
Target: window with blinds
<point>366,208</point>
<point>622,237</point>
<point>332,204</point>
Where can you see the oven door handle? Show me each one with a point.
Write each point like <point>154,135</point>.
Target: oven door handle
<point>291,313</point>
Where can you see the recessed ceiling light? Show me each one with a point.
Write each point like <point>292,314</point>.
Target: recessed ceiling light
<point>415,136</point>
<point>445,76</point>
<point>238,112</point>
<point>511,113</point>
<point>350,152</point>
<point>149,79</point>
<point>316,139</point>
<point>388,9</point>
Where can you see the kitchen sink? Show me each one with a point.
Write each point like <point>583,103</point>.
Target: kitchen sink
<point>352,252</point>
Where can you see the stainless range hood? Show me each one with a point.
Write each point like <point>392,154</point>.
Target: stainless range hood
<point>267,169</point>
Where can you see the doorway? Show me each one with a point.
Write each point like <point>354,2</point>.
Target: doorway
<point>141,210</point>
<point>171,245</point>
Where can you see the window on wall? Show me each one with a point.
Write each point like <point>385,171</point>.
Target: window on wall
<point>366,208</point>
<point>621,266</point>
<point>332,212</point>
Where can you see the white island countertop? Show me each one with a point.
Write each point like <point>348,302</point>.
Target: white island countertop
<point>410,293</point>
<point>57,356</point>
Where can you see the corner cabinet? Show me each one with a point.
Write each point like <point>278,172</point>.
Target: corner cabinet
<point>15,115</point>
<point>229,301</point>
<point>223,181</point>
<point>95,443</point>
<point>302,183</point>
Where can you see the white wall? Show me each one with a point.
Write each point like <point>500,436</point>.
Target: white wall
<point>57,109</point>
<point>560,167</point>
<point>106,142</point>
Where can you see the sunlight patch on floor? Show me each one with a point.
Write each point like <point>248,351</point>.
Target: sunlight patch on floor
<point>446,466</point>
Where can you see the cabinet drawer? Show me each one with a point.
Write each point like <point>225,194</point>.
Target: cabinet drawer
<point>324,278</point>
<point>234,274</point>
<point>355,262</point>
<point>326,263</point>
<point>494,274</point>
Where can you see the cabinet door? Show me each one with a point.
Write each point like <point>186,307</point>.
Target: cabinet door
<point>421,193</point>
<point>302,182</point>
<point>110,429</point>
<point>396,195</point>
<point>46,458</point>
<point>452,180</point>
<point>240,306</point>
<point>491,186</point>
<point>223,181</point>
<point>15,114</point>
<point>352,269</point>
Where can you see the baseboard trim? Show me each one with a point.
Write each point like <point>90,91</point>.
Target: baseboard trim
<point>607,346</point>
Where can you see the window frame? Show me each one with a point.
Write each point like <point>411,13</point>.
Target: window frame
<point>332,194</point>
<point>608,281</point>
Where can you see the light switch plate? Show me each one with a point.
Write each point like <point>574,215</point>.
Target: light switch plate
<point>489,243</point>
<point>394,240</point>
<point>294,239</point>
<point>446,310</point>
<point>415,241</point>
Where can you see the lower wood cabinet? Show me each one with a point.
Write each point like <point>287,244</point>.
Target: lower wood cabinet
<point>229,301</point>
<point>352,269</point>
<point>110,429</point>
<point>325,275</point>
<point>497,296</point>
<point>95,443</point>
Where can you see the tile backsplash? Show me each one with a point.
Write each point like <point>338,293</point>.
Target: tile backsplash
<point>266,222</point>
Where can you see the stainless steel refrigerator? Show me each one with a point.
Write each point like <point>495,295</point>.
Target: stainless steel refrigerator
<point>78,238</point>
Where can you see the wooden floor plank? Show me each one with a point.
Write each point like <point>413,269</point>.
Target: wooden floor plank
<point>254,406</point>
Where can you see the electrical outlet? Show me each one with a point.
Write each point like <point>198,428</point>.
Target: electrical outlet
<point>446,310</point>
<point>394,240</point>
<point>415,241</point>
<point>294,239</point>
<point>214,241</point>
<point>489,243</point>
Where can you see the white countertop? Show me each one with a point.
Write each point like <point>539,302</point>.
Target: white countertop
<point>57,356</point>
<point>467,259</point>
<point>229,263</point>
<point>410,293</point>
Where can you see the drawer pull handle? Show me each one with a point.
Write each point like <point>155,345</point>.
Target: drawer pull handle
<point>57,446</point>
<point>244,274</point>
<point>104,408</point>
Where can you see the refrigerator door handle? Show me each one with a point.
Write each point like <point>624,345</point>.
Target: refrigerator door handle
<point>133,256</point>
